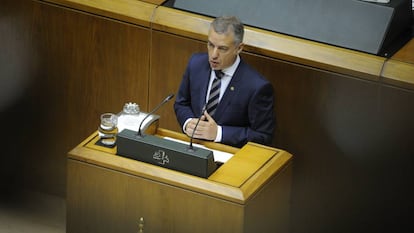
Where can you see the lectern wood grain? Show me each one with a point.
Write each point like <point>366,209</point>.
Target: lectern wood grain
<point>109,193</point>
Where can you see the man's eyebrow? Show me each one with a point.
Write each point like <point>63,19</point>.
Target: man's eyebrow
<point>211,43</point>
<point>218,46</point>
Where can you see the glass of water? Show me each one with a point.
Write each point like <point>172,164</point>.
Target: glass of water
<point>108,129</point>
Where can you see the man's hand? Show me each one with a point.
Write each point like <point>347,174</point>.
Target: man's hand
<point>206,129</point>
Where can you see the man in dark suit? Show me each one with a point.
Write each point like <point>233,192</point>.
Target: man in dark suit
<point>245,98</point>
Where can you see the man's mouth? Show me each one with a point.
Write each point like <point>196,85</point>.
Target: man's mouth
<point>214,63</point>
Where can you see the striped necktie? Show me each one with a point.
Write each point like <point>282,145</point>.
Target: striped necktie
<point>213,99</point>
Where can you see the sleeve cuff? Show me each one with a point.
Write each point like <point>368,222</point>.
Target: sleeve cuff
<point>219,134</point>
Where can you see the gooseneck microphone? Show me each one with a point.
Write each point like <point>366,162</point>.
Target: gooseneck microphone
<point>190,147</point>
<point>168,98</point>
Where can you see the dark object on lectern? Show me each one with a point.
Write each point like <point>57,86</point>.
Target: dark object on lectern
<point>165,153</point>
<point>374,28</point>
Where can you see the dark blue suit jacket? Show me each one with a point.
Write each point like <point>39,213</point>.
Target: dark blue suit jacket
<point>246,110</point>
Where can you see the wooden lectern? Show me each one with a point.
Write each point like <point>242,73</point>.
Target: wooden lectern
<point>110,193</point>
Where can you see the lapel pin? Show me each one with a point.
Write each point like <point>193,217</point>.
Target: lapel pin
<point>232,88</point>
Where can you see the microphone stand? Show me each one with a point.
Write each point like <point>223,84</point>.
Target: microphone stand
<point>190,147</point>
<point>169,97</point>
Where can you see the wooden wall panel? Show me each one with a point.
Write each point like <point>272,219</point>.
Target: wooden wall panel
<point>85,65</point>
<point>169,57</point>
<point>313,108</point>
<point>352,148</point>
<point>16,63</point>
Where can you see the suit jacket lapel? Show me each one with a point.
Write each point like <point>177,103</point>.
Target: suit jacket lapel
<point>230,92</point>
<point>204,78</point>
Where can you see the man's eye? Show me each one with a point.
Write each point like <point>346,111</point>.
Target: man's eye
<point>223,49</point>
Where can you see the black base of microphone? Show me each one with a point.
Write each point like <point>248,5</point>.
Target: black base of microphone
<point>165,153</point>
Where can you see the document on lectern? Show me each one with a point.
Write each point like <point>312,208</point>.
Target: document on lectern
<point>219,156</point>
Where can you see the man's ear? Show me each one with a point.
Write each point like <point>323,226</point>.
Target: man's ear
<point>240,48</point>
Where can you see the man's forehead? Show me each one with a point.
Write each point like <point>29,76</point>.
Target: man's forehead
<point>223,39</point>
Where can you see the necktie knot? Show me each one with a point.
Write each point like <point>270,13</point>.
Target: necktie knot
<point>219,73</point>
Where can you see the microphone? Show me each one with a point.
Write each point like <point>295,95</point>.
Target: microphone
<point>190,147</point>
<point>168,98</point>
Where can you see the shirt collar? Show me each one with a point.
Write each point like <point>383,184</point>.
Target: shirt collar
<point>231,69</point>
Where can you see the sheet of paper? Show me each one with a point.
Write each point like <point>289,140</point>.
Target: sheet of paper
<point>132,122</point>
<point>219,156</point>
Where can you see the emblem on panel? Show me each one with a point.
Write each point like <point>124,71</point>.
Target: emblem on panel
<point>161,157</point>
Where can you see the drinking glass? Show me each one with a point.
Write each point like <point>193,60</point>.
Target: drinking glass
<point>108,129</point>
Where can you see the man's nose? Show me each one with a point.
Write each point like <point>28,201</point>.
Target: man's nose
<point>215,53</point>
